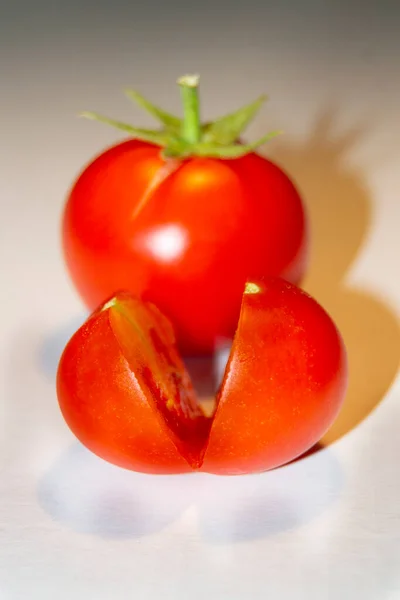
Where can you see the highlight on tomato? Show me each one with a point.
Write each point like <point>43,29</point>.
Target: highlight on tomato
<point>125,393</point>
<point>183,216</point>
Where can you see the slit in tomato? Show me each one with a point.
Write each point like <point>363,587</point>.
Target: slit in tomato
<point>283,386</point>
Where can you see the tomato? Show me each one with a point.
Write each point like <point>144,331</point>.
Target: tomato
<point>125,393</point>
<point>184,230</point>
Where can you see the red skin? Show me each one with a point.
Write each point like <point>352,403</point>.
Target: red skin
<point>125,394</point>
<point>232,220</point>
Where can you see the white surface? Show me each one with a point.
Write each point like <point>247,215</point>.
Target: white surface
<point>325,527</point>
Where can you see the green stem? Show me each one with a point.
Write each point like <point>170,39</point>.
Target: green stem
<point>191,127</point>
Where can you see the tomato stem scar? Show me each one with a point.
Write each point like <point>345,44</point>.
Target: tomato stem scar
<point>109,304</point>
<point>252,288</point>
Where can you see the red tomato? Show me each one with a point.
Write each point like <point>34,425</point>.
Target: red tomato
<point>206,228</point>
<point>126,395</point>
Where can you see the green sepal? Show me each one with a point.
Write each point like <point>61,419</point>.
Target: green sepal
<point>177,148</point>
<point>160,138</point>
<point>232,151</point>
<point>170,122</point>
<point>226,130</point>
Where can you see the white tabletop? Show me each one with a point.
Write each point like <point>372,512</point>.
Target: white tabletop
<point>324,527</point>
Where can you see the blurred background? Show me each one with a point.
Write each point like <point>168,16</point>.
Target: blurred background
<point>331,70</point>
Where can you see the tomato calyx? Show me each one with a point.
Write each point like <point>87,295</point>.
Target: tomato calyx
<point>185,137</point>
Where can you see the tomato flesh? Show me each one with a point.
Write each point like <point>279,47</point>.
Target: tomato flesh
<point>147,343</point>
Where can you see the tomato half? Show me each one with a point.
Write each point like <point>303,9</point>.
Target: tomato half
<point>187,243</point>
<point>125,393</point>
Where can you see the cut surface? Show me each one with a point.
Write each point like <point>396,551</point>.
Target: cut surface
<point>147,342</point>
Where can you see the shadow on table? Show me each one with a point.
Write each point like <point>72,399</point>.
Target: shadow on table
<point>53,345</point>
<point>340,211</point>
<point>91,496</point>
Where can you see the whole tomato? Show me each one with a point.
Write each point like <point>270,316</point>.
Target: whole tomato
<point>125,393</point>
<point>183,217</point>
